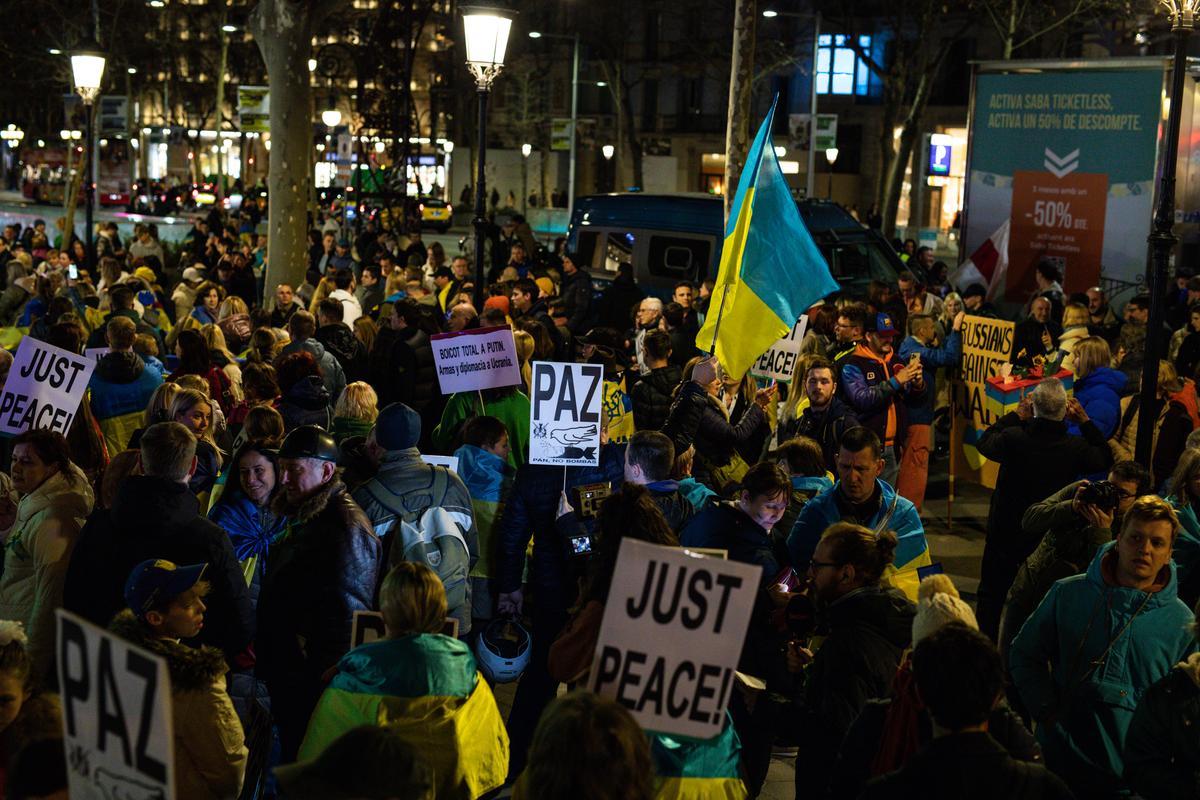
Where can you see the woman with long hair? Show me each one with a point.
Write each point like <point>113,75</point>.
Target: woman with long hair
<point>366,331</point>
<point>208,303</point>
<point>222,357</point>
<point>195,358</point>
<point>193,410</point>
<point>244,509</point>
<point>1075,323</point>
<point>525,346</point>
<point>233,318</point>
<point>1098,387</point>
<point>355,412</point>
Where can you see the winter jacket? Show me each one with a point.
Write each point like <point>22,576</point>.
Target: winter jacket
<point>280,316</point>
<point>405,486</point>
<point>1065,356</point>
<point>488,479</point>
<point>1171,428</point>
<point>1188,357</point>
<point>306,403</point>
<point>119,391</point>
<point>251,530</point>
<point>970,765</point>
<point>1036,457</point>
<point>344,428</point>
<point>1027,340</point>
<point>1083,661</point>
<point>40,718</point>
<point>351,310</point>
<point>350,353</point>
<point>1099,392</point>
<point>531,511</point>
<point>698,418</point>
<point>804,488</point>
<point>512,410</point>
<point>97,337</point>
<point>867,386</point>
<point>615,307</point>
<point>324,567</point>
<point>1068,544</point>
<point>210,747</point>
<point>425,689</point>
<point>576,293</point>
<point>912,551</point>
<point>949,354</point>
<point>652,396</point>
<point>1162,750</point>
<point>866,631</point>
<point>1186,552</point>
<point>332,375</point>
<point>37,551</point>
<point>826,427</point>
<point>155,518</point>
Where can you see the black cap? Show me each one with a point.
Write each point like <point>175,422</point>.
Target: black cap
<point>975,290</point>
<point>309,441</point>
<point>443,272</point>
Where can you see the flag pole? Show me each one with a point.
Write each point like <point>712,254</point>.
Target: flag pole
<point>712,348</point>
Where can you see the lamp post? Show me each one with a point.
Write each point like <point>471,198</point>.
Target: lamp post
<point>485,32</point>
<point>1162,239</point>
<point>574,112</point>
<point>87,70</point>
<point>448,190</point>
<point>607,151</point>
<point>526,149</point>
<point>831,156</point>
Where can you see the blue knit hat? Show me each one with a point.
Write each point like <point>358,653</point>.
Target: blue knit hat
<point>397,427</point>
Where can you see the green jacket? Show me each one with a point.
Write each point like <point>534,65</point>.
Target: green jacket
<point>512,410</point>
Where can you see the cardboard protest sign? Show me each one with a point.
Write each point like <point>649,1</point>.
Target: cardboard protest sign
<point>779,362</point>
<point>671,637</point>
<point>449,462</point>
<point>368,627</point>
<point>564,414</point>
<point>484,358</point>
<point>44,388</point>
<point>116,709</point>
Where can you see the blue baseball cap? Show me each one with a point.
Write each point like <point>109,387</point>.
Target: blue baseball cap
<point>156,580</point>
<point>883,325</point>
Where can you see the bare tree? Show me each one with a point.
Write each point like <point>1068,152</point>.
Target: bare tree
<point>741,92</point>
<point>1019,23</point>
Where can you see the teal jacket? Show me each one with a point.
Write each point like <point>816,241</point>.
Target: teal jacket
<point>1053,664</point>
<point>1186,553</point>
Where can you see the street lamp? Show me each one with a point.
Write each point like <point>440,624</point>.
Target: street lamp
<point>447,188</point>
<point>331,117</point>
<point>87,70</point>
<point>574,112</point>
<point>1162,239</point>
<point>610,179</point>
<point>526,149</point>
<point>831,156</point>
<point>485,31</point>
<point>608,151</point>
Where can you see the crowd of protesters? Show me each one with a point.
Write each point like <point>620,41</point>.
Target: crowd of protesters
<point>247,472</point>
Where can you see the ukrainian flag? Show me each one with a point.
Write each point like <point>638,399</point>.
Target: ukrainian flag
<point>771,270</point>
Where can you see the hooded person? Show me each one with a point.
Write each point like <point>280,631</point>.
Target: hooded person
<point>121,386</point>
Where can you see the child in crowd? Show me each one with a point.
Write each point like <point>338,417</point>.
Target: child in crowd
<point>166,604</point>
<point>146,346</point>
<point>424,685</point>
<point>484,468</point>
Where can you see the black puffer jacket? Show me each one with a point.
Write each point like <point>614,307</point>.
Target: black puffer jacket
<point>346,348</point>
<point>696,418</point>
<point>155,518</point>
<point>652,397</point>
<point>306,403</point>
<point>1162,749</point>
<point>412,354</point>
<point>825,426</point>
<point>576,291</point>
<point>324,569</point>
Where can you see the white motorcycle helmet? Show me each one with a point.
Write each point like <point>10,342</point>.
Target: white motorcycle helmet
<point>502,650</point>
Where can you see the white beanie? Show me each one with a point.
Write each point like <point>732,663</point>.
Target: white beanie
<point>938,604</point>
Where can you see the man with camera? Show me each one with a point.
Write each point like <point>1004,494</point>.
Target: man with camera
<point>1073,523</point>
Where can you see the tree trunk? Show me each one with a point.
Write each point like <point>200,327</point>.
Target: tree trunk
<point>283,30</point>
<point>222,60</point>
<point>887,149</point>
<point>741,78</point>
<point>635,146</point>
<point>1011,33</point>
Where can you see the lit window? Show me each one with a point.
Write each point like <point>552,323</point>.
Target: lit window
<point>839,68</point>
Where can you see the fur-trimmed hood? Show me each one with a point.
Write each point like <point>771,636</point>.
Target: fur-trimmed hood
<point>40,718</point>
<point>191,668</point>
<point>312,506</point>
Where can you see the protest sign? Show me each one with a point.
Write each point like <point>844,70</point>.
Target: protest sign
<point>96,353</point>
<point>449,462</point>
<point>564,414</point>
<point>367,627</point>
<point>671,637</point>
<point>986,346</point>
<point>779,362</point>
<point>116,710</point>
<point>484,358</point>
<point>44,388</point>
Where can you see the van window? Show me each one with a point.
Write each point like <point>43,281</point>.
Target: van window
<point>618,250</point>
<point>859,261</point>
<point>679,258</point>
<point>585,250</point>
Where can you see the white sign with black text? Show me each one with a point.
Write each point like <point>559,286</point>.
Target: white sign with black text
<point>671,637</point>
<point>116,710</point>
<point>483,358</point>
<point>779,362</point>
<point>44,388</point>
<point>564,414</point>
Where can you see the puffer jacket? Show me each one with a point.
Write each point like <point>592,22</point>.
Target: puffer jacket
<point>332,376</point>
<point>339,339</point>
<point>1089,703</point>
<point>652,397</point>
<point>1162,750</point>
<point>119,390</point>
<point>306,403</point>
<point>37,551</point>
<point>1099,392</point>
<point>210,746</point>
<point>323,569</point>
<point>698,418</point>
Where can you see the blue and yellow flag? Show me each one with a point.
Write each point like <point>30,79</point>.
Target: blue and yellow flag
<point>771,270</point>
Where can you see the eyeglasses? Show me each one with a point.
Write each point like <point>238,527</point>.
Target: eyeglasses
<point>815,565</point>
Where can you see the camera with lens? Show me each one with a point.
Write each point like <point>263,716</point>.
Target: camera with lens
<point>586,500</point>
<point>1101,494</point>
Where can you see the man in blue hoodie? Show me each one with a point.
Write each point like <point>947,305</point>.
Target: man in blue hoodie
<point>1097,642</point>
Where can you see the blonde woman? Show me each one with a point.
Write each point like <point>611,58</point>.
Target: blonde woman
<point>233,317</point>
<point>157,410</point>
<point>192,409</point>
<point>793,407</point>
<point>223,358</point>
<point>366,331</point>
<point>355,411</point>
<point>1172,425</point>
<point>323,290</point>
<point>1098,387</point>
<point>1075,321</point>
<point>525,346</point>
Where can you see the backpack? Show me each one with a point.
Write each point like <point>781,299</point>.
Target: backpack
<point>432,537</point>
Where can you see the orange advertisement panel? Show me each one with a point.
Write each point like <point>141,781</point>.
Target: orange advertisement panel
<point>1060,219</point>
